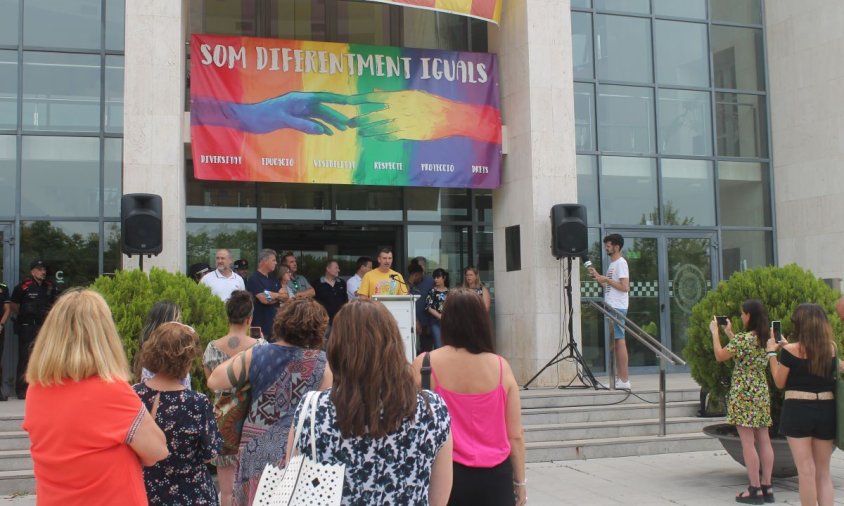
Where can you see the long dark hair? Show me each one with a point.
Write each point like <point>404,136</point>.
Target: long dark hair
<point>758,321</point>
<point>373,389</point>
<point>161,312</point>
<point>814,333</point>
<point>465,322</point>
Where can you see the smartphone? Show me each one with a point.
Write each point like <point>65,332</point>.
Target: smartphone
<point>777,326</point>
<point>255,332</point>
<point>722,320</point>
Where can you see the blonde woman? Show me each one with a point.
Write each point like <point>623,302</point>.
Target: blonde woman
<point>90,434</point>
<point>472,281</point>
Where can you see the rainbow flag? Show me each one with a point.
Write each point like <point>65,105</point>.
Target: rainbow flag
<point>488,10</point>
<point>318,112</point>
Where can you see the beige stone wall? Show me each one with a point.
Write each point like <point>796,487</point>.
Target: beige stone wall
<point>153,152</point>
<point>806,79</point>
<point>534,48</point>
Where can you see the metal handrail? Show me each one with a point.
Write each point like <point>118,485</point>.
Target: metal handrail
<point>662,352</point>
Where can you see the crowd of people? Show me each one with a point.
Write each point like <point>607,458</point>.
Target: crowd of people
<point>806,369</point>
<point>98,439</point>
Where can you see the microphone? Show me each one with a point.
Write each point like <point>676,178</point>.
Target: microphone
<point>395,277</point>
<point>586,262</point>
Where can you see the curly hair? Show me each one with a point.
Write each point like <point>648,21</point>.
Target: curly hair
<point>301,322</point>
<point>170,350</point>
<point>239,307</point>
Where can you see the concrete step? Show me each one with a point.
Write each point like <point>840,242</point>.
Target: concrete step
<point>614,428</point>
<point>601,413</point>
<point>556,398</point>
<point>14,483</point>
<point>619,447</point>
<point>15,440</point>
<point>15,460</point>
<point>10,423</point>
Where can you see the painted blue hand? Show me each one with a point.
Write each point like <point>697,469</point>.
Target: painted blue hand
<point>302,111</point>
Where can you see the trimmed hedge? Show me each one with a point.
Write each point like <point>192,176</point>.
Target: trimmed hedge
<point>781,290</point>
<point>130,295</point>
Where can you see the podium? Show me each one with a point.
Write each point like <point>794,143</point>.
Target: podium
<point>403,309</point>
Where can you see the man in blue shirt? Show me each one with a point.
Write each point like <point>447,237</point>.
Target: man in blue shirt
<point>264,286</point>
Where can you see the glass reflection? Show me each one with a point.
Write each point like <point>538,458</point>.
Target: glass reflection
<point>688,192</point>
<point>587,187</point>
<point>363,23</point>
<point>483,207</point>
<point>745,194</point>
<point>681,8</point>
<point>368,202</point>
<point>71,250</point>
<point>629,191</point>
<point>297,19</point>
<point>435,204</point>
<point>112,258</point>
<point>228,17</point>
<point>8,175</point>
<point>644,309</point>
<point>114,94</point>
<point>60,176</point>
<point>75,24</point>
<point>61,91</point>
<point>636,6</point>
<point>434,30</point>
<point>295,201</point>
<point>690,279</point>
<point>9,22</point>
<point>736,11</point>
<point>741,127</point>
<point>8,89</point>
<point>581,44</point>
<point>584,116</point>
<point>445,247</point>
<point>623,49</point>
<point>115,20</point>
<point>626,119</point>
<point>685,123</point>
<point>112,177</point>
<point>204,239</point>
<point>745,249</point>
<point>737,58</point>
<point>682,57</point>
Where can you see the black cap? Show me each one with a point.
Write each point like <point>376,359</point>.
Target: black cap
<point>198,269</point>
<point>241,264</point>
<point>37,263</point>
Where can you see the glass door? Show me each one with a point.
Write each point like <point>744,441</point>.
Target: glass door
<point>669,273</point>
<point>8,275</point>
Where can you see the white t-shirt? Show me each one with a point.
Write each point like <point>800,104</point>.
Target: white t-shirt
<point>614,297</point>
<point>223,286</point>
<point>352,285</point>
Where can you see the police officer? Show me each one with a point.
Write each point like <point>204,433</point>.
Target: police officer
<point>31,301</point>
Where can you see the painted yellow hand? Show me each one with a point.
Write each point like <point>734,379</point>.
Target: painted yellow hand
<point>409,115</point>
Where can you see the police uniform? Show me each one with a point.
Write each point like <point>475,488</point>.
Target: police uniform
<point>34,301</point>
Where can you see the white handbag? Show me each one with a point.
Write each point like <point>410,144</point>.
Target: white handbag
<point>304,482</point>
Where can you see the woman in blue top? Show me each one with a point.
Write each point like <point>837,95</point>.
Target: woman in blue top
<point>434,303</point>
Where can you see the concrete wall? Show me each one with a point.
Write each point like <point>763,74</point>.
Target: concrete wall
<point>534,47</point>
<point>805,54</point>
<point>153,151</point>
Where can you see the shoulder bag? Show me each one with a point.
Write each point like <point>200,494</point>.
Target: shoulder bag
<point>231,409</point>
<point>305,481</point>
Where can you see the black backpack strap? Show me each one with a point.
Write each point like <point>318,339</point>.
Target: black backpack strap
<point>426,371</point>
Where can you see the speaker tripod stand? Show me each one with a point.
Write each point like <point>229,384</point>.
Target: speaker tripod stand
<point>571,350</point>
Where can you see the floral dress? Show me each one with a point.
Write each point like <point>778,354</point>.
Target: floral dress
<point>187,419</point>
<point>393,470</point>
<point>749,402</point>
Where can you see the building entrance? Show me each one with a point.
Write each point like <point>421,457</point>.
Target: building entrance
<point>669,273</point>
<point>313,244</point>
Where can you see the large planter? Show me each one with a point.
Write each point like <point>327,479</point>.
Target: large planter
<point>725,433</point>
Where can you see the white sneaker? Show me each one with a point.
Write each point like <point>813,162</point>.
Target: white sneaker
<point>622,385</point>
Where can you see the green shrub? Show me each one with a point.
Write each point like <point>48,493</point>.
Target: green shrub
<point>130,294</point>
<point>781,290</point>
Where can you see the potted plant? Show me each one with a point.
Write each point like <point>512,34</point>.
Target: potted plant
<point>781,290</point>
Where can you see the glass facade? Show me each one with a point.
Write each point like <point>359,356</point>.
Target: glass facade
<point>672,135</point>
<point>61,129</point>
<point>452,228</point>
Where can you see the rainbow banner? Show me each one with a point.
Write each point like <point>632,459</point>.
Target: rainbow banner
<point>488,10</point>
<point>317,112</point>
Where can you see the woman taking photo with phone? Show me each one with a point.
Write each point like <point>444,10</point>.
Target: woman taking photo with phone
<point>806,370</point>
<point>749,403</point>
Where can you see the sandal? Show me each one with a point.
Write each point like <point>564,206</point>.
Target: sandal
<point>753,495</point>
<point>767,493</point>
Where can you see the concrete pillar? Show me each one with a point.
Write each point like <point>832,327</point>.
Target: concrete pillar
<point>534,48</point>
<point>154,95</point>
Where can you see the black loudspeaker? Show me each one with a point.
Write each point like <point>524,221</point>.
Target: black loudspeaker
<point>140,217</point>
<point>569,237</point>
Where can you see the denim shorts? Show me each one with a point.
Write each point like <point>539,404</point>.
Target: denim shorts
<point>618,330</point>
